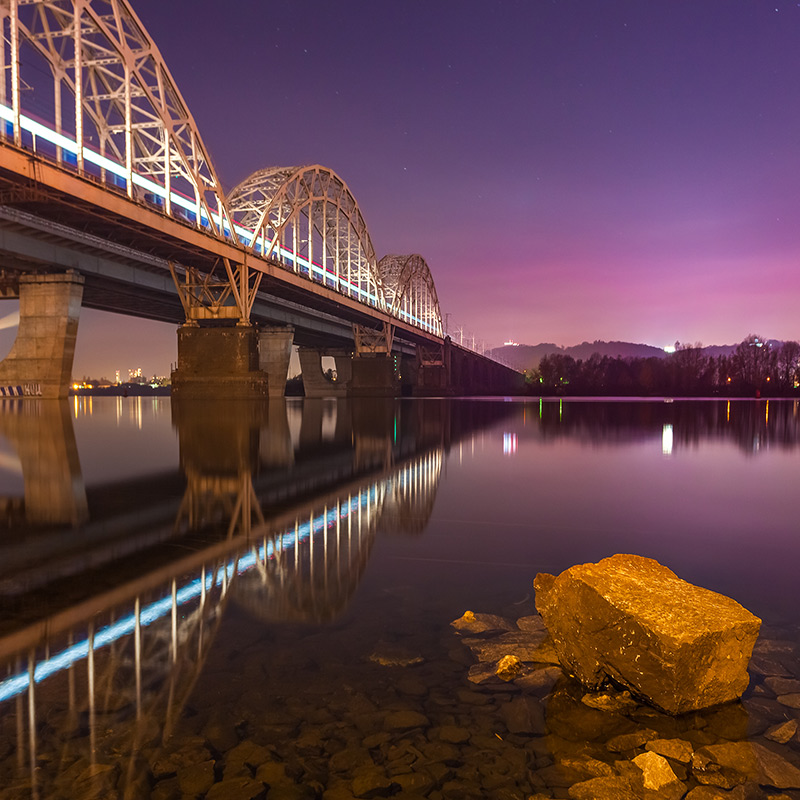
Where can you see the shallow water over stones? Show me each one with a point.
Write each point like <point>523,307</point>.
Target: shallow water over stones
<point>427,730</point>
<point>320,662</point>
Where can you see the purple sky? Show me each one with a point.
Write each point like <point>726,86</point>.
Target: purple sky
<point>570,171</point>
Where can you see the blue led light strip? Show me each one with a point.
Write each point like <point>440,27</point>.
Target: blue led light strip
<point>36,128</point>
<point>16,684</point>
<point>243,234</point>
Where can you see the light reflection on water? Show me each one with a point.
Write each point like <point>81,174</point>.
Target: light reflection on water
<point>188,531</point>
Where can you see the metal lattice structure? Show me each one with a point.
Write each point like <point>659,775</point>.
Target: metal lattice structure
<point>84,86</point>
<point>410,292</point>
<point>306,218</point>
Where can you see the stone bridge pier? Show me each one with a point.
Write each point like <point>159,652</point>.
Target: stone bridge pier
<point>374,365</point>
<point>474,374</point>
<point>40,362</point>
<point>218,361</point>
<point>274,353</point>
<point>240,361</point>
<point>432,369</point>
<point>315,383</point>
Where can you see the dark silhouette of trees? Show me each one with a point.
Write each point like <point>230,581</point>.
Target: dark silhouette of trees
<point>755,368</point>
<point>788,365</point>
<point>753,364</point>
<point>692,371</point>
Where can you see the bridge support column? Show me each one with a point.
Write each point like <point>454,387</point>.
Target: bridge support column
<point>274,352</point>
<point>374,372</point>
<point>40,362</point>
<point>218,362</point>
<point>315,383</point>
<point>374,377</point>
<point>433,369</point>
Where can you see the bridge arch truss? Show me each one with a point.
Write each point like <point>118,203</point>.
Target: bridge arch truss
<point>410,292</point>
<point>85,85</point>
<point>307,218</point>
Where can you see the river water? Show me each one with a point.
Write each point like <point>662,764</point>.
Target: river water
<point>254,600</point>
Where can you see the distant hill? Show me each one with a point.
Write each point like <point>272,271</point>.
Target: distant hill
<point>528,356</point>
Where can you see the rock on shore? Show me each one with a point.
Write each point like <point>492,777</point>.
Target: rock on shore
<point>631,620</point>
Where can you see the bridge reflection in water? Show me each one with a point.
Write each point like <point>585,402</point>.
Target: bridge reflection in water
<point>96,669</point>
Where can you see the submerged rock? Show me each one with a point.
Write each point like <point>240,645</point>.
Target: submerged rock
<point>677,749</point>
<point>782,733</point>
<point>528,647</point>
<point>630,619</point>
<point>405,720</point>
<point>659,779</point>
<point>733,763</point>
<point>481,624</point>
<point>609,701</point>
<point>539,681</point>
<point>388,654</point>
<point>630,741</point>
<point>609,788</point>
<point>531,624</point>
<point>790,700</point>
<point>524,715</point>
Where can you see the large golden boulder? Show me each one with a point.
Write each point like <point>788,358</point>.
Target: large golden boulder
<point>632,621</point>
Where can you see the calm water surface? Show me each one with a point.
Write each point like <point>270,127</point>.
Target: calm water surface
<point>215,592</point>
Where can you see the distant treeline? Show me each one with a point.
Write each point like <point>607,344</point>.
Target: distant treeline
<point>756,368</point>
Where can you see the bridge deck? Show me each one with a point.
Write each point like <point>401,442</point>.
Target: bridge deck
<point>53,218</point>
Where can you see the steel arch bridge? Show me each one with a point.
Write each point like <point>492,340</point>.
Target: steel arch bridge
<point>84,86</point>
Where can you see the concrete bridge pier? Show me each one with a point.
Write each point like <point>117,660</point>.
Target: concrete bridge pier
<point>40,362</point>
<point>433,369</point>
<point>315,383</point>
<point>374,367</point>
<point>274,352</point>
<point>374,376</point>
<point>218,361</point>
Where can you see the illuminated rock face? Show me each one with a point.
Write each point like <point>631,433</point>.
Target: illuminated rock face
<point>632,620</point>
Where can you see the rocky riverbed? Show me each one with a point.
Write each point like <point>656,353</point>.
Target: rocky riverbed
<point>478,709</point>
